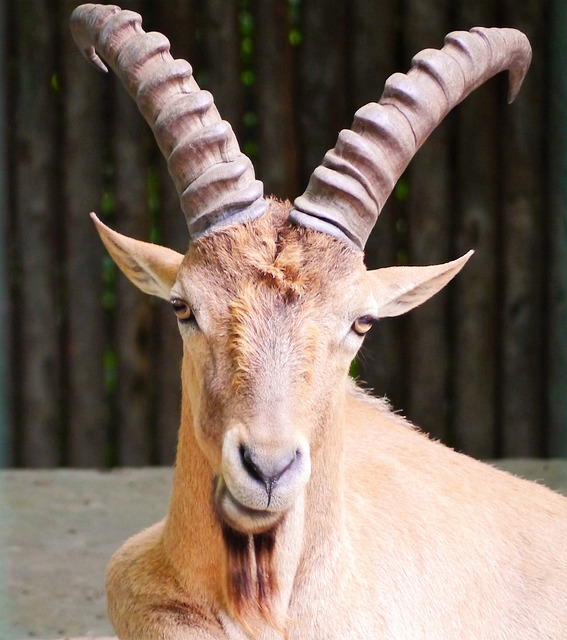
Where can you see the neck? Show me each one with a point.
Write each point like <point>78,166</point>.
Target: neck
<point>324,525</point>
<point>192,536</point>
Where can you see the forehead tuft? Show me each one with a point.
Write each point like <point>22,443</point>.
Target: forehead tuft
<point>272,251</point>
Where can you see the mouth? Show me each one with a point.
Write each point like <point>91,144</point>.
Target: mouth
<point>238,516</point>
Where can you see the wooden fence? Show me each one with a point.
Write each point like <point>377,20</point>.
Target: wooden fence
<point>94,365</point>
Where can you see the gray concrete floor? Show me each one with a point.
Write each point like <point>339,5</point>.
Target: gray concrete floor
<point>58,529</point>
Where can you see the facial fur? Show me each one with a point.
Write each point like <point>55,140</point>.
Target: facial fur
<point>258,343</point>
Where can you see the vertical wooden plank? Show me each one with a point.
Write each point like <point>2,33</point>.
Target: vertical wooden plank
<point>85,340</point>
<point>429,217</point>
<point>37,353</point>
<point>321,79</point>
<point>133,312</point>
<point>557,342</point>
<point>15,426</point>
<point>133,325</point>
<point>373,57</point>
<point>373,48</point>
<point>273,56</point>
<point>477,208</point>
<point>166,373</point>
<point>5,435</point>
<point>523,225</point>
<point>178,20</point>
<point>220,69</point>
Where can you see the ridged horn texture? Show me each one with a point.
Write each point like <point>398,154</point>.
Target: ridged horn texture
<point>348,190</point>
<point>215,181</point>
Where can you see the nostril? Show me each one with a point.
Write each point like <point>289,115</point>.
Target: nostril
<point>250,465</point>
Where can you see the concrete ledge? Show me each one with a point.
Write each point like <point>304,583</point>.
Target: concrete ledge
<point>58,528</point>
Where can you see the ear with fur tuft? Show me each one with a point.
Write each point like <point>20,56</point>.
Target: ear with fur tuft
<point>400,289</point>
<point>151,267</point>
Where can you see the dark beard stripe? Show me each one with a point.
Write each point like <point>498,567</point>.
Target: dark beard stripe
<point>251,577</point>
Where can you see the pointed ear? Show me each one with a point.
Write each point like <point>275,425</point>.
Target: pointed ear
<point>399,289</point>
<point>152,268</point>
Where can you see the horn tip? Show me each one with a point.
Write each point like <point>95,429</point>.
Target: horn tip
<point>92,56</point>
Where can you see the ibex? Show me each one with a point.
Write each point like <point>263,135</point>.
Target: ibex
<point>302,507</point>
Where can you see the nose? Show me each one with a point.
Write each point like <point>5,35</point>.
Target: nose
<point>267,469</point>
<point>263,474</point>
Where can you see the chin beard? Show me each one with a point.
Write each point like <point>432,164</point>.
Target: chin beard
<point>251,579</point>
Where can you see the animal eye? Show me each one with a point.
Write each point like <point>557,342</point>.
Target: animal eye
<point>182,309</point>
<point>362,325</point>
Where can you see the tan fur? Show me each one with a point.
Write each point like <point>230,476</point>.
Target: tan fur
<point>393,536</point>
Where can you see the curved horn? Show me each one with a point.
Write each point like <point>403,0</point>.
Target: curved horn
<point>348,190</point>
<point>215,181</point>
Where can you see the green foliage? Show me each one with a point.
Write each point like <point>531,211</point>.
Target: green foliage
<point>354,370</point>
<point>54,82</point>
<point>295,34</point>
<point>295,37</point>
<point>248,77</point>
<point>401,190</point>
<point>107,205</point>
